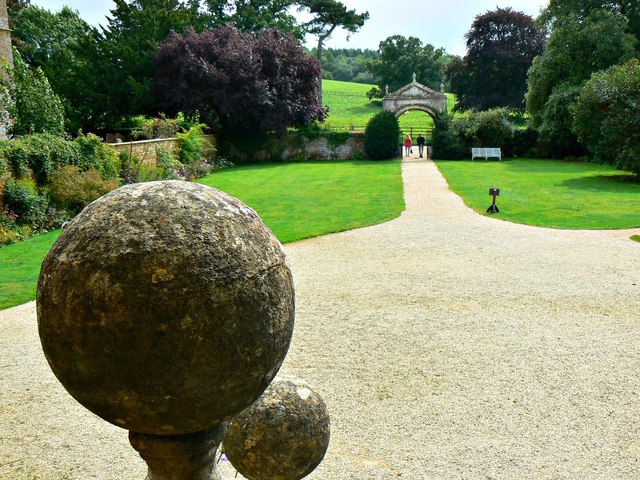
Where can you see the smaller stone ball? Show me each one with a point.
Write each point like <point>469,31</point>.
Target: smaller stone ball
<point>284,435</point>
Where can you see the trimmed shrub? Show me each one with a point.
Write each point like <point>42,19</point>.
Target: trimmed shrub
<point>381,138</point>
<point>73,189</point>
<point>606,116</point>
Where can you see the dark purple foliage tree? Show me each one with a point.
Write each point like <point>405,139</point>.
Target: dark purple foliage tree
<point>501,46</point>
<point>240,81</point>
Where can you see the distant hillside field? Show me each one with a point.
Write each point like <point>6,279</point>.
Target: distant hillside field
<point>350,109</point>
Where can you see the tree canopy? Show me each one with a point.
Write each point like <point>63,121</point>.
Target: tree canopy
<point>501,46</point>
<point>252,15</point>
<point>239,80</point>
<point>60,44</point>
<point>28,98</point>
<point>329,15</point>
<point>606,116</point>
<point>577,48</point>
<point>401,57</point>
<point>129,43</point>
<point>559,9</point>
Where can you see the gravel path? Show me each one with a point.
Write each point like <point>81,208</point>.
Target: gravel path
<point>446,344</point>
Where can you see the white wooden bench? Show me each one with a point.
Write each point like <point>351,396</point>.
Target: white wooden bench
<point>486,153</point>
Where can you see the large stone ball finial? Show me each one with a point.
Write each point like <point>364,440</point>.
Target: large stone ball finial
<point>166,307</point>
<point>284,435</point>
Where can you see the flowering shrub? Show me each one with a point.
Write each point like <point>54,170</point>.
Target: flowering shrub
<point>10,231</point>
<point>23,200</point>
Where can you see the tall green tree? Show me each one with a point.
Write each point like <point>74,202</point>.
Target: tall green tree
<point>61,44</point>
<point>577,48</point>
<point>401,57</point>
<point>606,116</point>
<point>327,16</point>
<point>501,46</point>
<point>253,15</point>
<point>558,9</point>
<point>129,43</point>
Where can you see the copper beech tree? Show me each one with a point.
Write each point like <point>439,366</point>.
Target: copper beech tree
<point>239,81</point>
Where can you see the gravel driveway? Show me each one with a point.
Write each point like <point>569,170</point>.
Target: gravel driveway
<point>447,345</point>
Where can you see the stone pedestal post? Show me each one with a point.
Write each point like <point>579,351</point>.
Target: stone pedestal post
<point>180,457</point>
<point>166,308</point>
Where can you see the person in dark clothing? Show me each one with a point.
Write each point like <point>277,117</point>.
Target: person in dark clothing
<point>420,144</point>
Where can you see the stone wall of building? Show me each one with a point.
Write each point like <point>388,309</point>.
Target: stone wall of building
<point>5,34</point>
<point>6,53</point>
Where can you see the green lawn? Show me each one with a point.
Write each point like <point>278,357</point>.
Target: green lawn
<point>20,267</point>
<point>349,108</point>
<point>301,200</point>
<point>298,200</point>
<point>348,104</point>
<point>549,193</point>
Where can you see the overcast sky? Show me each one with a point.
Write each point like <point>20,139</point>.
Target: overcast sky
<point>441,23</point>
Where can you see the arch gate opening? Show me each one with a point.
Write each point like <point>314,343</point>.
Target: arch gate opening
<point>415,96</point>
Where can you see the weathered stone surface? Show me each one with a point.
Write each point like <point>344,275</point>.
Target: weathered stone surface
<point>415,96</point>
<point>166,307</point>
<point>183,457</point>
<point>284,435</point>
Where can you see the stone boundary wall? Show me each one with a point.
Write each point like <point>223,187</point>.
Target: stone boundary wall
<point>297,147</point>
<point>145,150</point>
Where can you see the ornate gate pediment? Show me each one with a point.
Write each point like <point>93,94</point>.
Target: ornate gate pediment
<point>414,96</point>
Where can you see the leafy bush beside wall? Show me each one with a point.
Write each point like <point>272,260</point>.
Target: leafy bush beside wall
<point>382,136</point>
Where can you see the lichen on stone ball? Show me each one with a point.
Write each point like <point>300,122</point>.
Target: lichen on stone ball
<point>166,307</point>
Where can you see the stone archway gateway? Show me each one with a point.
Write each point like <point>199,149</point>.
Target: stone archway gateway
<point>414,96</point>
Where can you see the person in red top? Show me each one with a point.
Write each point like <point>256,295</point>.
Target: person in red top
<point>407,145</point>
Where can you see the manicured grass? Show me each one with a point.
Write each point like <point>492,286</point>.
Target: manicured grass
<point>348,104</point>
<point>549,193</point>
<point>297,201</point>
<point>301,200</point>
<point>635,238</point>
<point>20,268</point>
<point>349,108</point>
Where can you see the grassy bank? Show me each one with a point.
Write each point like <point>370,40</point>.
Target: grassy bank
<point>350,108</point>
<point>549,193</point>
<point>297,201</point>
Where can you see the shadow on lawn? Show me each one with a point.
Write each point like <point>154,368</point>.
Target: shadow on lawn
<point>606,183</point>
